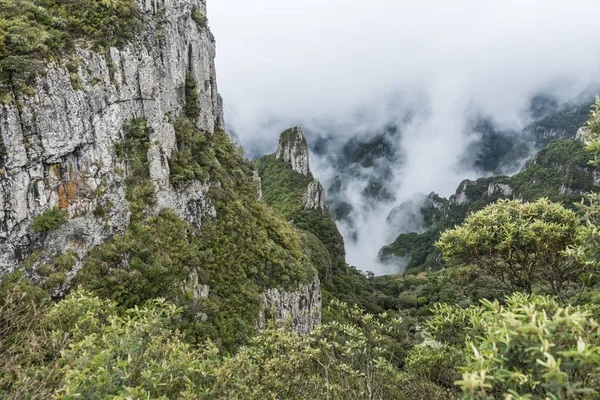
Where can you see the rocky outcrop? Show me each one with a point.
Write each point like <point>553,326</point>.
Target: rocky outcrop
<point>197,291</point>
<point>256,178</point>
<point>470,191</point>
<point>461,197</point>
<point>314,198</point>
<point>57,146</point>
<point>302,307</point>
<point>582,134</point>
<point>292,148</point>
<point>503,189</point>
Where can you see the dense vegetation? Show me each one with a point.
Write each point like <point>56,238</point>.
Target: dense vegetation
<point>246,249</point>
<point>87,347</point>
<point>33,32</point>
<point>283,189</point>
<point>560,172</point>
<point>168,308</point>
<point>49,220</point>
<point>528,346</point>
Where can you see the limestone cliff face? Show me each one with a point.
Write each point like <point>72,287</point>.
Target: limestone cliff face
<point>314,198</point>
<point>293,148</point>
<point>482,190</point>
<point>59,144</point>
<point>302,307</point>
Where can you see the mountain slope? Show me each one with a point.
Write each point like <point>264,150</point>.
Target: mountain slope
<point>560,172</point>
<point>116,177</point>
<point>289,186</point>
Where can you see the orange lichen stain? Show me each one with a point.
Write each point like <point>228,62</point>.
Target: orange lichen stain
<point>63,201</point>
<point>71,191</point>
<point>67,194</point>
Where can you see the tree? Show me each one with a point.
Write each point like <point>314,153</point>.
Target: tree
<point>587,249</point>
<point>88,347</point>
<point>531,347</point>
<point>520,245</point>
<point>592,132</point>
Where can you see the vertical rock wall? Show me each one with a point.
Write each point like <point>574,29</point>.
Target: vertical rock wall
<point>58,145</point>
<point>292,148</point>
<point>302,308</point>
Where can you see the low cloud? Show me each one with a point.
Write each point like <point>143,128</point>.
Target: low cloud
<point>429,67</point>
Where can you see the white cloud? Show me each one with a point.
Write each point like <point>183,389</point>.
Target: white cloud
<point>355,65</point>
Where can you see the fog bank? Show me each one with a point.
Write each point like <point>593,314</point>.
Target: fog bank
<point>429,67</point>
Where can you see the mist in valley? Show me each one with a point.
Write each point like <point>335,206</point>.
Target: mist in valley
<point>398,100</point>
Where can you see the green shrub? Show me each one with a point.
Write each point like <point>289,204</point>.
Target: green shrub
<point>192,107</point>
<point>49,220</point>
<point>55,272</point>
<point>592,138</point>
<point>518,244</point>
<point>33,31</point>
<point>76,81</point>
<point>134,151</point>
<point>152,259</point>
<point>22,308</point>
<point>531,347</point>
<point>200,19</point>
<point>194,158</point>
<point>435,362</point>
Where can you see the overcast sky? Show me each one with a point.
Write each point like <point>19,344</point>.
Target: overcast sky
<point>359,64</point>
<point>322,58</point>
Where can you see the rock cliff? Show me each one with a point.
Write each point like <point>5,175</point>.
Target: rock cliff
<point>59,143</point>
<point>302,307</point>
<point>314,198</point>
<point>292,148</point>
<point>60,161</point>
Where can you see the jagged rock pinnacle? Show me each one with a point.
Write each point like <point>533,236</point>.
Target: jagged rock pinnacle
<point>293,149</point>
<point>314,198</point>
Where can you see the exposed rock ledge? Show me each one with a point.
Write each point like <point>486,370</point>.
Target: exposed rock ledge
<point>293,149</point>
<point>303,307</point>
<point>314,198</point>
